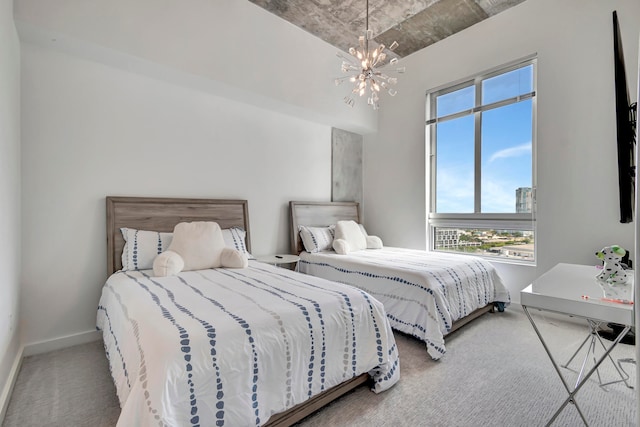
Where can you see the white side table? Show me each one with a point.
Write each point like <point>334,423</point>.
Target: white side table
<point>280,259</point>
<point>561,290</point>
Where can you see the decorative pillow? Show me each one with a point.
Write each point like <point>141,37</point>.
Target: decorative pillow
<point>168,263</point>
<point>235,238</point>
<point>141,247</point>
<point>316,239</point>
<point>196,246</point>
<point>351,236</point>
<point>373,242</point>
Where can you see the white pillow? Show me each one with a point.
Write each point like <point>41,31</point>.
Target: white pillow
<point>235,238</point>
<point>197,245</point>
<point>141,247</point>
<point>349,238</point>
<point>316,239</point>
<point>373,242</point>
<point>168,263</point>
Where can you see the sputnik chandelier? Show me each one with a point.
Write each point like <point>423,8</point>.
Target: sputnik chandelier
<point>361,67</point>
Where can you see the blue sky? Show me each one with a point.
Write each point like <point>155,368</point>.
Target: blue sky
<point>506,147</point>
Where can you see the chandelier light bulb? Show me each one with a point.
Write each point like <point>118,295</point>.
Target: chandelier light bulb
<point>362,65</point>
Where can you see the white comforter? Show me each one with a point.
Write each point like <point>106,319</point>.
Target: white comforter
<point>235,346</point>
<point>422,292</point>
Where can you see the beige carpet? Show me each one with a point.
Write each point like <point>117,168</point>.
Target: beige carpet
<point>495,373</point>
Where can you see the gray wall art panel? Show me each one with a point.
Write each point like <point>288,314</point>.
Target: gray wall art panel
<point>346,166</point>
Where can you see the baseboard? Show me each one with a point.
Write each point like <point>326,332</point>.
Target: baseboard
<point>61,342</point>
<point>11,381</point>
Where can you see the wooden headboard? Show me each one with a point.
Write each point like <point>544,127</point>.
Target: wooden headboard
<point>162,214</point>
<point>319,214</point>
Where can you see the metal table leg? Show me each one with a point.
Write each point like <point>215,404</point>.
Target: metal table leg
<point>595,336</point>
<point>623,375</point>
<point>572,393</point>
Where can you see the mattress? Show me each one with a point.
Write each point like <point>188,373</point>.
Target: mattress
<point>423,292</point>
<point>235,346</point>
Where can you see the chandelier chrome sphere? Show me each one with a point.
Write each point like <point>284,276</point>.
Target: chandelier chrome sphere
<point>362,70</point>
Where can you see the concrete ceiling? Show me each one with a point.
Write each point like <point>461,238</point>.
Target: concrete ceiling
<point>414,24</point>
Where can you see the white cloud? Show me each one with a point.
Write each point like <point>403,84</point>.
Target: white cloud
<point>518,150</point>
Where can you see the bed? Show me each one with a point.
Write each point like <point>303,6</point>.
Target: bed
<point>427,295</point>
<point>254,346</point>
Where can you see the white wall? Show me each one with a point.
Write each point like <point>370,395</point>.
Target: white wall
<point>90,130</point>
<point>206,99</point>
<point>9,198</point>
<point>576,136</point>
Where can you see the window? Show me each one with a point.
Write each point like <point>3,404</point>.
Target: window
<point>481,150</point>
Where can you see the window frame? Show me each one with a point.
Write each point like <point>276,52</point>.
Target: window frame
<point>479,220</point>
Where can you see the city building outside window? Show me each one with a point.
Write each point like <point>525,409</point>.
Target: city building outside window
<point>481,156</point>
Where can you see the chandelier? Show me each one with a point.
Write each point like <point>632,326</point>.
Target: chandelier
<point>362,69</point>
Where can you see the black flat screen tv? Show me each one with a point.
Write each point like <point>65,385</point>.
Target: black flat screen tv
<point>625,128</point>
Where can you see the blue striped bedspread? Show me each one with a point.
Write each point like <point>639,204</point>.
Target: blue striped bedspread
<point>423,292</point>
<point>235,346</point>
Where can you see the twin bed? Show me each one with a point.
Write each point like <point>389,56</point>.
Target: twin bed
<point>265,345</point>
<point>256,346</point>
<point>425,294</point>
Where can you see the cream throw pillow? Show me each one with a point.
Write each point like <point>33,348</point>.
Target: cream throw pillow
<point>351,236</point>
<point>197,246</point>
<point>168,263</point>
<point>373,242</point>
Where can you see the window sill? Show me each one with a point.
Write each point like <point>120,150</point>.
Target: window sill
<point>512,261</point>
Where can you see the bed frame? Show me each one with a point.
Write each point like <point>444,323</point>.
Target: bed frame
<point>323,214</point>
<point>162,214</point>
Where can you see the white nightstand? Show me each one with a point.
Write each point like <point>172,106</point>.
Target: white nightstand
<point>280,259</point>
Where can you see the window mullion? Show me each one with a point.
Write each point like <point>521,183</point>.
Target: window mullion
<point>478,150</point>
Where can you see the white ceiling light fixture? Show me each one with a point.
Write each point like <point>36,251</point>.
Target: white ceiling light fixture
<point>362,67</point>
